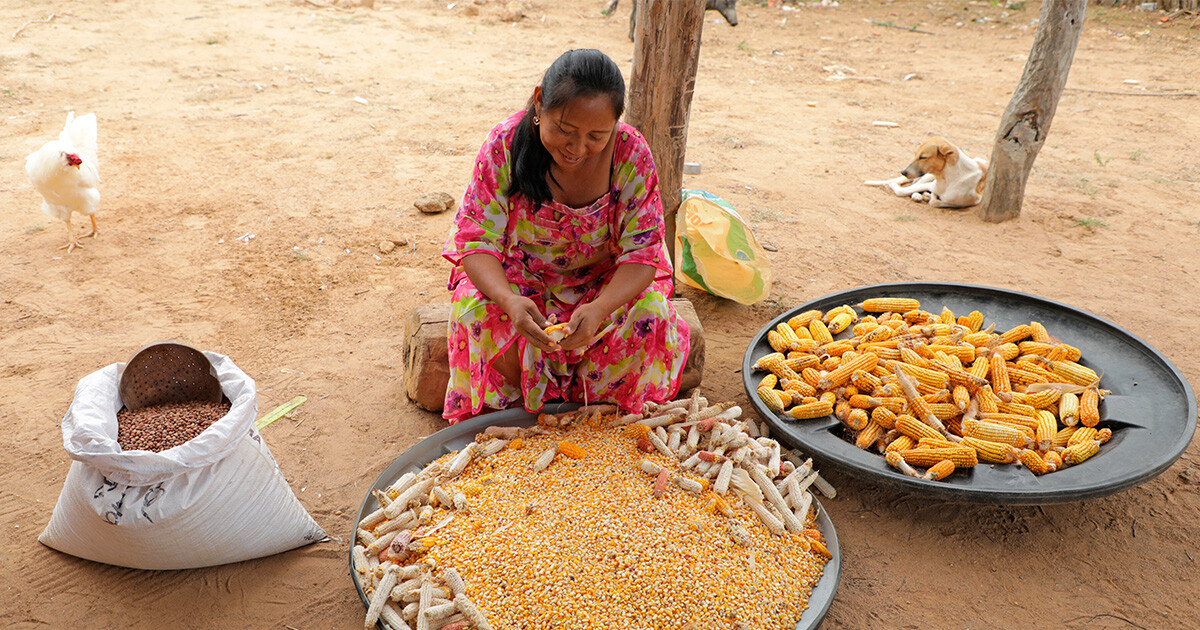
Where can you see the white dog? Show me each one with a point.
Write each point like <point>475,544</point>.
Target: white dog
<point>942,175</point>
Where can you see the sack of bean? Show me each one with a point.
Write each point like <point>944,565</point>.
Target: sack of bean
<point>208,499</point>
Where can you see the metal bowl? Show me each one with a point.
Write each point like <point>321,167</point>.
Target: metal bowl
<point>168,372</point>
<point>457,436</point>
<point>1152,408</point>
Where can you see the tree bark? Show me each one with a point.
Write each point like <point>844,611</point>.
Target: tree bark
<point>666,56</point>
<point>1026,122</point>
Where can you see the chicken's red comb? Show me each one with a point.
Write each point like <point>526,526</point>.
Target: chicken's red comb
<point>73,159</point>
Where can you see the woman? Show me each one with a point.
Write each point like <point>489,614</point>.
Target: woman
<point>563,222</point>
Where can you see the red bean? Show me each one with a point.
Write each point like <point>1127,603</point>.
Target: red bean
<point>161,427</point>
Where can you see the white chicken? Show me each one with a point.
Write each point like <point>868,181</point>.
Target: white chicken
<point>66,173</point>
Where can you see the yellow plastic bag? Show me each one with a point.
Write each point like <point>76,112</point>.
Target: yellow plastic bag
<point>715,250</point>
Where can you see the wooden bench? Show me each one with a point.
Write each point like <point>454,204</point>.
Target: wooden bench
<point>427,364</point>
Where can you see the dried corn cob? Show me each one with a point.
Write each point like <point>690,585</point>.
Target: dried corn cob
<point>940,470</point>
<point>1077,453</point>
<point>894,305</point>
<point>1089,407</point>
<point>811,410</point>
<point>962,457</point>
<point>572,450</point>
<point>994,452</point>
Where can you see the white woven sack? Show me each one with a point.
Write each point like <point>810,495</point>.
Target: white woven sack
<point>217,498</point>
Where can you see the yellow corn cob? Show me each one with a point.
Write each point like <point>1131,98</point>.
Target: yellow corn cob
<point>787,332</point>
<point>910,356</point>
<point>802,320</point>
<point>973,321</point>
<point>820,331</point>
<point>803,347</point>
<point>1065,352</point>
<point>947,316</point>
<point>830,363</point>
<point>1018,409</point>
<point>916,429</point>
<point>636,431</point>
<point>940,470</point>
<point>863,327</point>
<point>1074,372</point>
<point>1053,459</point>
<point>902,443</point>
<point>944,411</point>
<point>863,401</point>
<point>934,379</point>
<point>778,342</point>
<point>840,322</point>
<point>988,403</point>
<point>857,419</point>
<point>1089,407</point>
<point>865,361</point>
<point>996,432</point>
<point>1034,462</point>
<point>1083,434</point>
<point>777,365</point>
<point>1038,333</point>
<point>572,450</point>
<point>1104,435</point>
<point>768,381</point>
<point>1027,424</point>
<point>926,442</point>
<point>773,399</point>
<point>1039,348</point>
<point>961,396</point>
<point>979,368</point>
<point>1079,452</point>
<point>1063,436</point>
<point>998,371</point>
<point>867,437</point>
<point>894,460</point>
<point>1030,364</point>
<point>1047,426</point>
<point>897,404</point>
<point>919,317</point>
<point>799,386</point>
<point>848,391</point>
<point>994,452</point>
<point>1040,399</point>
<point>1009,351</point>
<point>1068,409</point>
<point>865,381</point>
<point>962,353</point>
<point>837,348</point>
<point>802,334</point>
<point>812,376</point>
<point>878,333</point>
<point>807,411</point>
<point>961,456</point>
<point>519,443</point>
<point>894,305</point>
<point>884,417</point>
<point>977,339</point>
<point>1015,334</point>
<point>829,397</point>
<point>1021,379</point>
<point>801,361</point>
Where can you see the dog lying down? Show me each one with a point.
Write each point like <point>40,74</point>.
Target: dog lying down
<point>942,175</point>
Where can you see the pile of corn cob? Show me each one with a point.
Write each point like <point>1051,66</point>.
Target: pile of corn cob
<point>936,391</point>
<point>705,451</point>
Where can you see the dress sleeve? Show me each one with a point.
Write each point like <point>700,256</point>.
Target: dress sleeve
<point>482,218</point>
<point>639,224</point>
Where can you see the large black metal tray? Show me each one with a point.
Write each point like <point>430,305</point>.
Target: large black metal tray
<point>1151,410</point>
<point>457,436</point>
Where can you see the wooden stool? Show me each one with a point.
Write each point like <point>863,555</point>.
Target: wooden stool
<point>427,364</point>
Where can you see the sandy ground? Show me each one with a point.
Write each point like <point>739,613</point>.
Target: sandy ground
<point>246,192</point>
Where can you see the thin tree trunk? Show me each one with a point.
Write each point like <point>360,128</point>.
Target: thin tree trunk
<point>1026,122</point>
<point>666,55</point>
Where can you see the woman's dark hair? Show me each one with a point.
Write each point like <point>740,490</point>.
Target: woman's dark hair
<point>582,72</point>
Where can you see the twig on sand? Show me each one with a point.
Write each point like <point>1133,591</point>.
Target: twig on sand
<point>26,25</point>
<point>1117,93</point>
<point>903,28</point>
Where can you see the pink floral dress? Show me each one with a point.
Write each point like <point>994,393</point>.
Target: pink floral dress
<point>561,257</point>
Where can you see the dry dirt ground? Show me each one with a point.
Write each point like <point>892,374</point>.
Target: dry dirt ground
<point>246,191</point>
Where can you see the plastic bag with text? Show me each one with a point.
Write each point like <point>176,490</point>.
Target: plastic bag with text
<point>715,250</point>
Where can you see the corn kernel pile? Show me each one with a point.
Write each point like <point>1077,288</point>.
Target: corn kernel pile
<point>936,391</point>
<point>592,539</point>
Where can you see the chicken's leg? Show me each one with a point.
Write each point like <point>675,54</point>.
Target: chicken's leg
<point>72,242</point>
<point>93,232</point>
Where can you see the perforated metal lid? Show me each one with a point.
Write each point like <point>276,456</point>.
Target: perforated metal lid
<point>168,372</point>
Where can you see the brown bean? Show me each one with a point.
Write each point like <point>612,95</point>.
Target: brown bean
<point>162,427</point>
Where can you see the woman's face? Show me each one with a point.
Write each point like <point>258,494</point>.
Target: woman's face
<point>578,130</point>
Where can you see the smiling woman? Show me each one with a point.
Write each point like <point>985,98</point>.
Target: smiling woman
<point>562,222</point>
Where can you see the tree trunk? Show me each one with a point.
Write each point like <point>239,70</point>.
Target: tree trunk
<point>1026,122</point>
<point>666,55</point>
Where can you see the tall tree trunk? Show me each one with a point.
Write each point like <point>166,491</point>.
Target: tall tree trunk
<point>666,55</point>
<point>1026,122</point>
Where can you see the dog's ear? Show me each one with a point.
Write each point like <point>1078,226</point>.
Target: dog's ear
<point>948,151</point>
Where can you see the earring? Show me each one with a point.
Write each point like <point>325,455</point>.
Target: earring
<point>536,120</point>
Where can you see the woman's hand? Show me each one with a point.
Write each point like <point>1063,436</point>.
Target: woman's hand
<point>527,320</point>
<point>583,326</point>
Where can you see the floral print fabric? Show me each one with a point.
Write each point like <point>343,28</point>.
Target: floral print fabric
<point>561,257</point>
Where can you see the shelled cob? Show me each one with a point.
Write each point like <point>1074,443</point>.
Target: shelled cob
<point>936,391</point>
<point>622,520</point>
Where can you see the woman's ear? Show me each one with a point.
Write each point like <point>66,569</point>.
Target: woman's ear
<point>537,101</point>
